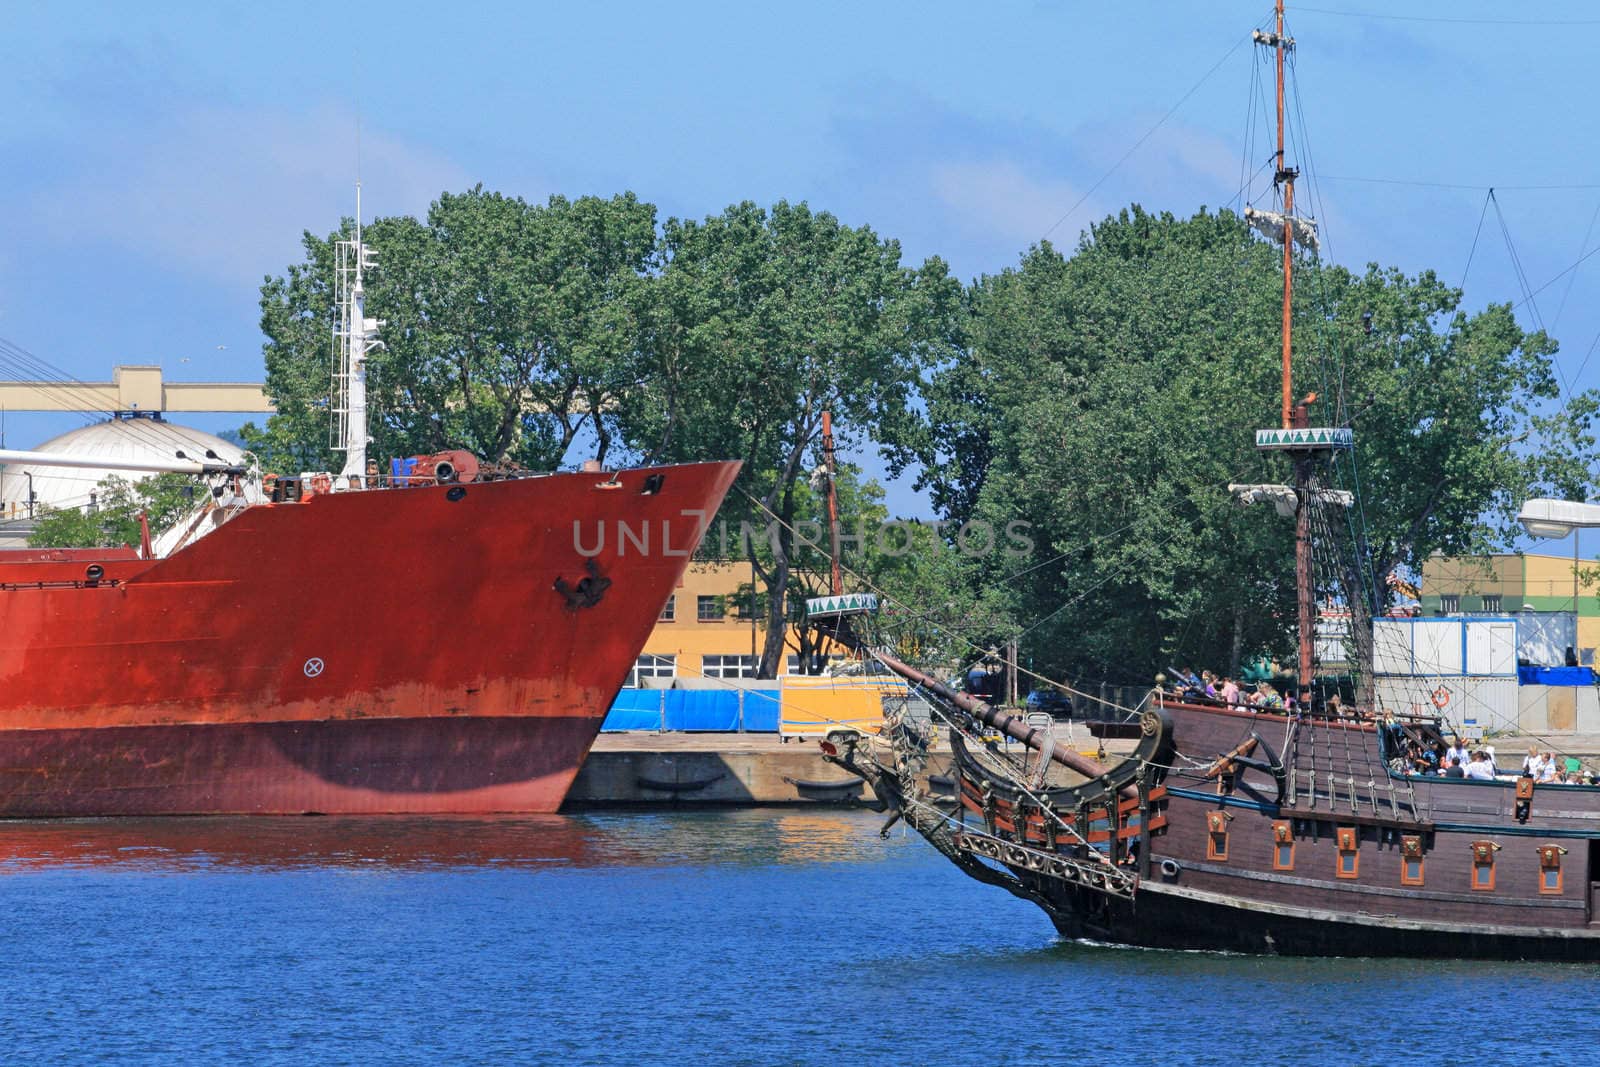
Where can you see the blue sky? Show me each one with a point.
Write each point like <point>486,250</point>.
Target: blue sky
<point>165,158</point>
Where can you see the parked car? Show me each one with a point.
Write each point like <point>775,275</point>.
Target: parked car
<point>1053,701</point>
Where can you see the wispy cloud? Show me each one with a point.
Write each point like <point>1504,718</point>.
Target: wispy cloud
<point>226,191</point>
<point>981,189</point>
<point>1000,199</point>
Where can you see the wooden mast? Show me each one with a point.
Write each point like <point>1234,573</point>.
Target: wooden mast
<point>1293,418</point>
<point>1286,177</point>
<point>835,582</point>
<point>1305,587</point>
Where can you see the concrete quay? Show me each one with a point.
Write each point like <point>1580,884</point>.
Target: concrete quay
<point>684,769</point>
<point>758,770</point>
<point>1512,747</point>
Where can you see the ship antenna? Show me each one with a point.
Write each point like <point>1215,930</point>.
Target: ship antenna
<point>354,337</point>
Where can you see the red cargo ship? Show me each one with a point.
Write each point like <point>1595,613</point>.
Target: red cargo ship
<point>450,644</point>
<point>441,648</point>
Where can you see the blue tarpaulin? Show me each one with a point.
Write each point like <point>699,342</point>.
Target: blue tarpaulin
<point>702,709</point>
<point>635,709</point>
<point>761,711</point>
<point>721,710</point>
<point>1555,676</point>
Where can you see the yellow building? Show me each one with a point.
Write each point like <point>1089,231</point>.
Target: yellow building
<point>1511,582</point>
<point>707,630</point>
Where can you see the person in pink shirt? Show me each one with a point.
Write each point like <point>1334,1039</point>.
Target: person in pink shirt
<point>1230,691</point>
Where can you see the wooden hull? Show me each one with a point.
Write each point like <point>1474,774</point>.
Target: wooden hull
<point>1170,917</point>
<point>1242,831</point>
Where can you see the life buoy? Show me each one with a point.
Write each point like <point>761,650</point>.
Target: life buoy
<point>1441,697</point>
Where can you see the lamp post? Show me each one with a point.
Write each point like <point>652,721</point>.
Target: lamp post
<point>1544,518</point>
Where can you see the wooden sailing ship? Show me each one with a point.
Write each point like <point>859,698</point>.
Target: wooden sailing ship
<point>1254,829</point>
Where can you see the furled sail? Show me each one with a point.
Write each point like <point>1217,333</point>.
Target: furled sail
<point>1270,224</point>
<point>1282,497</point>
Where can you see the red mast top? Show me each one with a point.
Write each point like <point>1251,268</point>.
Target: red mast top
<point>1286,177</point>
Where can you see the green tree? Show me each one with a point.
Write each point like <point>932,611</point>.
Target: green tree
<point>930,608</point>
<point>1109,398</point>
<point>114,517</point>
<point>510,329</point>
<point>759,321</point>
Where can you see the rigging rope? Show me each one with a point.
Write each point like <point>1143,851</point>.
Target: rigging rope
<point>872,587</point>
<point>1489,196</point>
<point>1162,121</point>
<point>1582,247</point>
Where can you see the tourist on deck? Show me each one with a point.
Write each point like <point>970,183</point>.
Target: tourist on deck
<point>1549,770</point>
<point>1423,759</point>
<point>1230,691</point>
<point>1457,751</point>
<point>1479,767</point>
<point>1454,770</point>
<point>1530,762</point>
<point>1429,757</point>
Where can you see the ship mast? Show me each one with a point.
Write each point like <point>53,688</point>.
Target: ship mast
<point>1296,436</point>
<point>1304,582</point>
<point>835,584</point>
<point>1285,177</point>
<point>354,337</point>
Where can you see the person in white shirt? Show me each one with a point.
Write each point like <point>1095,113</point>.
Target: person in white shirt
<point>1478,767</point>
<point>1459,751</point>
<point>1548,768</point>
<point>1530,762</point>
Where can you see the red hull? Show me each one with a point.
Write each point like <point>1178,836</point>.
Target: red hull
<point>477,765</point>
<point>379,651</point>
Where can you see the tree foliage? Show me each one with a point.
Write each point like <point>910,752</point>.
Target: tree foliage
<point>509,329</point>
<point>114,518</point>
<point>1100,401</point>
<point>1109,399</point>
<point>759,321</point>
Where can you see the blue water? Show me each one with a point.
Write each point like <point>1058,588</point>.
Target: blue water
<point>746,937</point>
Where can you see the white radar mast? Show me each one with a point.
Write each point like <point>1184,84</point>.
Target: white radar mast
<point>354,335</point>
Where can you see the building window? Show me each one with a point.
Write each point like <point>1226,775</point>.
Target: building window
<point>1349,839</point>
<point>728,666</point>
<point>1492,603</point>
<point>1282,846</point>
<point>1411,860</point>
<point>669,610</point>
<point>1483,865</point>
<point>792,663</point>
<point>1217,835</point>
<point>1450,604</point>
<point>1550,869</point>
<point>709,608</point>
<point>652,666</point>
